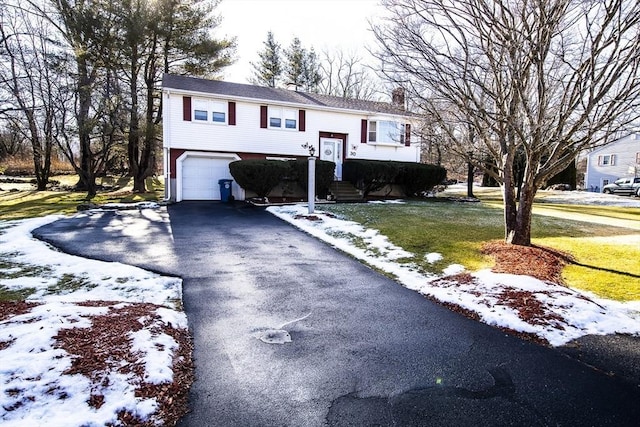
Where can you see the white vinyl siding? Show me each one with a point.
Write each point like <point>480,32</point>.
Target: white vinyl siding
<point>248,137</point>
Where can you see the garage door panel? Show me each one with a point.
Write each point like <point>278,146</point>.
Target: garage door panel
<point>200,177</point>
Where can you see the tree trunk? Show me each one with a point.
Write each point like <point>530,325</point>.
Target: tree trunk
<point>153,115</point>
<point>42,174</point>
<point>470,170</point>
<point>509,196</point>
<point>521,233</point>
<point>86,174</point>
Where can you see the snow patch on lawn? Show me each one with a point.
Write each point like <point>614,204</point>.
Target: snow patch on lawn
<point>433,257</point>
<point>73,278</point>
<point>34,388</point>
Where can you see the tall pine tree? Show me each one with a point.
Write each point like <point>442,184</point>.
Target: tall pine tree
<point>268,71</point>
<point>311,76</point>
<point>294,66</point>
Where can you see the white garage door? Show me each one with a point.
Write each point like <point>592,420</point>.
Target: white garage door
<point>200,177</point>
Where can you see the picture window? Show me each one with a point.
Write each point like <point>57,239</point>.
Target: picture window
<point>386,132</point>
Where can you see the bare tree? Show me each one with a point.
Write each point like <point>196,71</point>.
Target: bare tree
<point>345,75</point>
<point>28,74</point>
<point>544,78</point>
<point>12,142</point>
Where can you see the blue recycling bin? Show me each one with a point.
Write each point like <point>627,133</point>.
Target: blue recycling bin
<point>225,189</point>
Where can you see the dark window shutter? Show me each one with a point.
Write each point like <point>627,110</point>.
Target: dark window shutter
<point>186,108</point>
<point>263,116</point>
<point>407,135</point>
<point>363,131</point>
<point>302,117</point>
<point>232,113</point>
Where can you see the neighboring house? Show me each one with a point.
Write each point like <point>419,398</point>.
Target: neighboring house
<point>207,124</point>
<point>621,158</point>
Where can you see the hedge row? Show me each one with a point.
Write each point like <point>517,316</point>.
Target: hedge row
<point>373,175</point>
<point>261,176</point>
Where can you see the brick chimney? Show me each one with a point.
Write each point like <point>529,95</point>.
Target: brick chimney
<point>397,97</point>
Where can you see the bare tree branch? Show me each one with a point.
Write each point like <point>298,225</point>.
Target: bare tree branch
<point>518,79</point>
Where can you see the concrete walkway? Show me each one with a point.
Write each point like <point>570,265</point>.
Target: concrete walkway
<point>363,350</point>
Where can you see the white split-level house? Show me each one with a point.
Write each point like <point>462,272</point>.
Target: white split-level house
<point>619,159</point>
<point>208,123</point>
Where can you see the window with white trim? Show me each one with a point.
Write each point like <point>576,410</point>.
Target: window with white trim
<point>607,160</point>
<point>386,132</point>
<point>283,118</point>
<point>210,111</point>
<point>638,158</point>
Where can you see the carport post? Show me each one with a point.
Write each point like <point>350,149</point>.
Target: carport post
<point>311,193</point>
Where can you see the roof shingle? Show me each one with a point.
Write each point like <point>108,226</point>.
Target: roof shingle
<point>269,94</point>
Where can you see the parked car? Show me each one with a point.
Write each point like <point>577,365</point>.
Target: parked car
<point>624,186</point>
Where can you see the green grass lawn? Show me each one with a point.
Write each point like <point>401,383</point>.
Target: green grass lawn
<point>30,203</point>
<point>607,267</point>
<point>457,231</point>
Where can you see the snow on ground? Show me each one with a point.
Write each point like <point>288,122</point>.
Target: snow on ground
<point>36,382</point>
<point>35,379</point>
<point>556,196</point>
<point>564,314</point>
<point>587,198</point>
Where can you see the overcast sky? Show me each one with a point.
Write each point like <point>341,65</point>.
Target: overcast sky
<point>322,24</point>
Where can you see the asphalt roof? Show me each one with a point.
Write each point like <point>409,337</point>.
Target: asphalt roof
<point>270,94</point>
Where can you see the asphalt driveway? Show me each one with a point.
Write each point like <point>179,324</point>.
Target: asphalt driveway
<point>363,350</point>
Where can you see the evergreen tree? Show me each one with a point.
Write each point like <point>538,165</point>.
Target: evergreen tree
<point>268,71</point>
<point>294,67</point>
<point>311,76</point>
<point>302,68</point>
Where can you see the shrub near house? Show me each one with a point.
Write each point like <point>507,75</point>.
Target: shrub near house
<point>257,175</point>
<point>262,176</point>
<point>324,175</point>
<point>414,178</point>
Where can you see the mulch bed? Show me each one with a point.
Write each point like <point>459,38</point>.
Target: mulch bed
<point>107,342</point>
<point>542,263</point>
<point>14,308</point>
<point>106,347</point>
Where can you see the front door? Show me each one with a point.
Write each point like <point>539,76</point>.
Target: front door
<point>331,150</point>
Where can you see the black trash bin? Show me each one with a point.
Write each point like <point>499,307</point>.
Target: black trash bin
<point>225,189</point>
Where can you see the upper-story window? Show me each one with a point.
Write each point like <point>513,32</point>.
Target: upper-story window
<point>607,160</point>
<point>283,118</point>
<point>386,132</point>
<point>210,111</point>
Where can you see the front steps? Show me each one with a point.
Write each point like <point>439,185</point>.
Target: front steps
<point>344,191</point>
